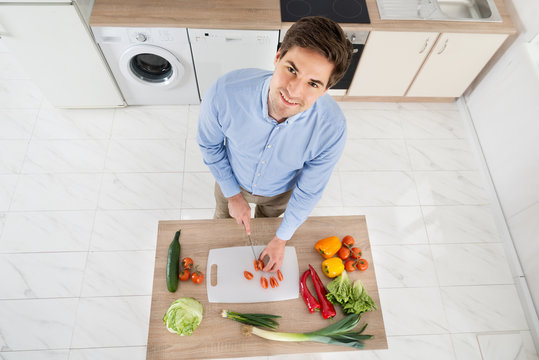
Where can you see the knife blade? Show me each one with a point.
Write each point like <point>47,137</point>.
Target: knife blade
<point>252,246</point>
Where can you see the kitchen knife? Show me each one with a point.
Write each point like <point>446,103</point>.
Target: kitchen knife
<point>252,247</point>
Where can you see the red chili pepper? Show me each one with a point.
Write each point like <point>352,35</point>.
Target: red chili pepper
<point>311,302</point>
<point>327,309</point>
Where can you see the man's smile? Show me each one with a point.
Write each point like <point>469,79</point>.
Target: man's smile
<point>287,100</point>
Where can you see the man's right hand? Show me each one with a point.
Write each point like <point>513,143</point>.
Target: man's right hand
<point>240,210</point>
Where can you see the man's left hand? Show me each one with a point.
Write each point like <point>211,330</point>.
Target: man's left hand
<point>275,251</point>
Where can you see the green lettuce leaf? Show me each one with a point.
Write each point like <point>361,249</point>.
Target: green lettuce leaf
<point>183,316</point>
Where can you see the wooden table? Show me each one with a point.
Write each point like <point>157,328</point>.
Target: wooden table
<point>221,338</point>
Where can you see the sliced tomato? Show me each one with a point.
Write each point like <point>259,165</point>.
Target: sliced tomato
<point>255,263</point>
<point>264,282</point>
<point>274,281</point>
<point>247,275</point>
<point>280,275</point>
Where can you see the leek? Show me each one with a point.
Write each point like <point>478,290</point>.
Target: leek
<point>339,333</point>
<point>264,320</point>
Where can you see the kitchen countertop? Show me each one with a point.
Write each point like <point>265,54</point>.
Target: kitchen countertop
<point>260,15</point>
<point>221,338</point>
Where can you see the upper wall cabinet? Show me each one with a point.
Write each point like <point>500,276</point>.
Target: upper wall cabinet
<point>390,62</point>
<point>454,63</point>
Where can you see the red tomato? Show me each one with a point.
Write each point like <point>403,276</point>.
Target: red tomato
<point>279,275</point>
<point>349,265</point>
<point>247,275</point>
<point>184,275</point>
<point>362,265</point>
<point>197,276</point>
<point>264,282</point>
<point>355,253</point>
<point>344,253</point>
<point>255,263</point>
<point>187,263</point>
<point>261,265</point>
<point>348,241</point>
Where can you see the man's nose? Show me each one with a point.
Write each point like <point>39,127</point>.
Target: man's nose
<point>294,88</point>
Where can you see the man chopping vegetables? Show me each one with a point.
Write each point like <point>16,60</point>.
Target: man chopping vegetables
<point>273,138</point>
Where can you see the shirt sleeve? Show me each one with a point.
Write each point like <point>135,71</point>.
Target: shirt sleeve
<point>310,185</point>
<point>211,140</point>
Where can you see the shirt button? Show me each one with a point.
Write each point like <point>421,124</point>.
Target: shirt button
<point>258,174</point>
<point>269,146</point>
<point>254,185</point>
<point>263,162</point>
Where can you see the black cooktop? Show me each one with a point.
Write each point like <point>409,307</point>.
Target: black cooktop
<point>341,11</point>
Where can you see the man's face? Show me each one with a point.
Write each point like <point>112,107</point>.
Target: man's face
<point>300,78</point>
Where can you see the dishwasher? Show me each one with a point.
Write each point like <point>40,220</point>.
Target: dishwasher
<point>216,52</point>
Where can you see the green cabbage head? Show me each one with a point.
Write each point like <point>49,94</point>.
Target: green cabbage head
<point>183,316</point>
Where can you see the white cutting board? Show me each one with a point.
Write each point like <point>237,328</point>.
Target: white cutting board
<point>233,287</point>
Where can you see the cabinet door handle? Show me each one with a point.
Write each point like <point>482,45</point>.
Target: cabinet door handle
<point>443,47</point>
<point>425,46</point>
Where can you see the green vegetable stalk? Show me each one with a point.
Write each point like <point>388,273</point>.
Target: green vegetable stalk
<point>263,320</point>
<point>353,298</point>
<point>183,316</point>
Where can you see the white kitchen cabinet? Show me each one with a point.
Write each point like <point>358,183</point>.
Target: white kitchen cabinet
<point>57,51</point>
<point>454,62</point>
<point>390,62</point>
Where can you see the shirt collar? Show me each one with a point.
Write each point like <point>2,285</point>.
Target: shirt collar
<point>264,100</point>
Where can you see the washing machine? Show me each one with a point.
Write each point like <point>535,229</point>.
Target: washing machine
<point>152,66</point>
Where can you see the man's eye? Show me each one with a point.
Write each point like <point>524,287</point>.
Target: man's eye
<point>314,85</point>
<point>291,69</point>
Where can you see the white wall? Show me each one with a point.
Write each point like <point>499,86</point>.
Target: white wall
<point>504,109</point>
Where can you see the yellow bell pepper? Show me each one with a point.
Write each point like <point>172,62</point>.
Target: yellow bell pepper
<point>332,267</point>
<point>328,247</point>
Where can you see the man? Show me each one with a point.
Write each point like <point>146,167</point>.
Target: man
<point>273,139</point>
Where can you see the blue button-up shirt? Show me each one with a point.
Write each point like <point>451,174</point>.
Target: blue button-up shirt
<point>243,146</point>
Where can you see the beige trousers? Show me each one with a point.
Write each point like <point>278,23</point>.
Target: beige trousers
<point>266,206</point>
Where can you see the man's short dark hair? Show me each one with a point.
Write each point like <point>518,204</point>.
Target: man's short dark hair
<point>325,37</point>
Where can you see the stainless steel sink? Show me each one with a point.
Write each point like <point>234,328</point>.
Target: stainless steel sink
<point>442,10</point>
<point>465,9</point>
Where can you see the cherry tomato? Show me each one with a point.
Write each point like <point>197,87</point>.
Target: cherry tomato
<point>355,253</point>
<point>197,276</point>
<point>184,275</point>
<point>187,263</point>
<point>344,253</point>
<point>279,275</point>
<point>247,275</point>
<point>264,282</point>
<point>349,265</point>
<point>348,241</point>
<point>362,265</point>
<point>274,281</point>
<point>255,263</point>
<point>261,264</point>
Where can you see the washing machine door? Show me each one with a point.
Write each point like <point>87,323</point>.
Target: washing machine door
<point>152,66</point>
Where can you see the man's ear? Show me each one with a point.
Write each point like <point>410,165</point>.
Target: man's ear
<point>277,57</point>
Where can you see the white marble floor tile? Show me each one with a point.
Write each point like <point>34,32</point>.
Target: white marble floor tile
<point>112,321</point>
<point>37,324</point>
<point>441,154</point>
<point>36,355</point>
<point>373,124</point>
<point>46,231</point>
<point>65,156</point>
<point>197,214</point>
<point>198,191</point>
<point>374,154</point>
<point>329,211</point>
<point>450,188</point>
<point>148,122</point>
<point>483,308</point>
<point>56,192</point>
<point>420,347</point>
<point>19,94</point>
<point>116,353</point>
<point>128,229</point>
<point>17,123</point>
<point>440,124</point>
<point>471,264</point>
<point>460,224</point>
<point>194,111</point>
<point>12,154</point>
<point>413,311</point>
<point>41,275</point>
<point>141,191</point>
<point>393,225</point>
<point>332,195</point>
<point>11,68</point>
<point>404,266</point>
<point>55,123</point>
<point>8,185</point>
<point>466,346</point>
<point>162,155</point>
<point>387,188</point>
<point>119,273</point>
<point>517,346</point>
<point>193,157</point>
<point>2,224</point>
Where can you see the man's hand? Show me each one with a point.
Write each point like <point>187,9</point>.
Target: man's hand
<point>275,251</point>
<point>240,210</point>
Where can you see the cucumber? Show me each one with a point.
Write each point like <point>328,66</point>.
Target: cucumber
<point>173,263</point>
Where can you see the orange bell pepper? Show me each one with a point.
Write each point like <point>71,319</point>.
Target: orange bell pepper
<point>328,247</point>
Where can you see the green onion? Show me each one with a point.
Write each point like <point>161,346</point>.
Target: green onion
<point>339,333</point>
<point>263,320</point>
